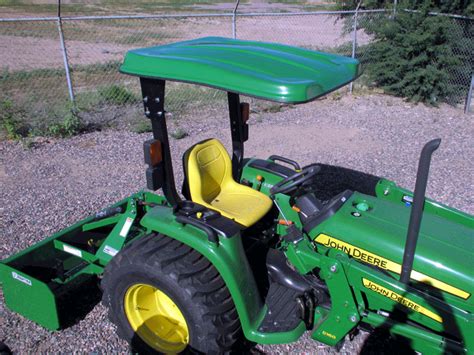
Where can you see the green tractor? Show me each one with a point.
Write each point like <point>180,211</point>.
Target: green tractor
<point>249,250</point>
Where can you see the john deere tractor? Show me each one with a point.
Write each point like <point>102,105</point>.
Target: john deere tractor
<point>250,250</point>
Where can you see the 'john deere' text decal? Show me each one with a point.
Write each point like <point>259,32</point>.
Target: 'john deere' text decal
<point>400,299</point>
<point>386,264</point>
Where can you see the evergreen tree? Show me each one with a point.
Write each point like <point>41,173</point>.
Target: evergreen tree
<point>420,56</point>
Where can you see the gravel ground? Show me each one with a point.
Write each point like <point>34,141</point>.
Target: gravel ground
<point>57,182</point>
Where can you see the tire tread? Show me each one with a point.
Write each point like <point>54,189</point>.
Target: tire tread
<point>192,271</point>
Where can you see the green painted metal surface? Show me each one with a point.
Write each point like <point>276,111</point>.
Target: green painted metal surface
<point>19,289</point>
<point>444,251</point>
<point>423,340</point>
<point>270,71</point>
<point>388,190</point>
<point>351,273</point>
<point>55,281</point>
<point>410,299</point>
<point>230,260</point>
<point>118,235</point>
<point>49,285</point>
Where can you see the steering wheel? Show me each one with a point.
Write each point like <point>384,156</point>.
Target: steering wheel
<point>294,181</point>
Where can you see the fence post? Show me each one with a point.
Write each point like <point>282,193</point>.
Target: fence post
<point>234,22</point>
<point>354,39</point>
<point>467,107</point>
<point>65,57</point>
<point>395,3</point>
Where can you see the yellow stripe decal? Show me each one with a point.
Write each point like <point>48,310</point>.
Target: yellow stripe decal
<point>400,299</point>
<point>386,264</point>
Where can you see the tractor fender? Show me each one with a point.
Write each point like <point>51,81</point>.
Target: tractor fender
<point>227,256</point>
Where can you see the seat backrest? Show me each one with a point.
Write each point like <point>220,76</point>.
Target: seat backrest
<point>207,167</point>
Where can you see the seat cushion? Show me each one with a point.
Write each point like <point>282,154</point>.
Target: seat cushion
<point>242,204</point>
<point>209,173</point>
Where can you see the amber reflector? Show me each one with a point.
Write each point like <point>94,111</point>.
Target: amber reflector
<point>155,153</point>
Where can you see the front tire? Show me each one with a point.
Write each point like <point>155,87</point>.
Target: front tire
<point>164,296</point>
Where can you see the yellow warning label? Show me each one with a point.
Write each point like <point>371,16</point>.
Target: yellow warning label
<point>386,264</point>
<point>400,299</point>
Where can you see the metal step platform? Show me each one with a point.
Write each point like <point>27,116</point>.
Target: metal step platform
<point>283,312</point>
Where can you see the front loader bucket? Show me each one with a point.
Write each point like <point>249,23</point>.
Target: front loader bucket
<point>48,285</point>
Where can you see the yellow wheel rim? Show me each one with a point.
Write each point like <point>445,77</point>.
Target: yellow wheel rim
<point>156,319</point>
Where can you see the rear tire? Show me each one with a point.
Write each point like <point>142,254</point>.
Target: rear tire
<point>192,284</point>
<point>4,349</point>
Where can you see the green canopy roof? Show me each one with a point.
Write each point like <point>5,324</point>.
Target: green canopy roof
<point>266,70</point>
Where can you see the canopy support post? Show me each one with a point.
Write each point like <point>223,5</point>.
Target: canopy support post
<point>161,175</point>
<point>240,133</point>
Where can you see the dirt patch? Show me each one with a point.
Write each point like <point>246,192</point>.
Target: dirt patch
<point>28,53</point>
<point>313,31</point>
<point>291,139</point>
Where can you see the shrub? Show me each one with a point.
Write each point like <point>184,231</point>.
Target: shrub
<point>420,56</point>
<point>414,57</point>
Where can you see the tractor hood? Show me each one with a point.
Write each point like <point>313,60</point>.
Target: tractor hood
<point>444,253</point>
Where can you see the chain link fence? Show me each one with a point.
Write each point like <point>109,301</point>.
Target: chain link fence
<point>32,76</point>
<point>462,74</point>
<point>97,47</point>
<point>39,57</point>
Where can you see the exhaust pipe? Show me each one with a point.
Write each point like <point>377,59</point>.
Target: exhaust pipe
<point>417,208</point>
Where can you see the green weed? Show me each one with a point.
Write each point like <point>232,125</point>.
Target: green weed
<point>258,118</point>
<point>179,133</point>
<point>183,97</point>
<point>267,107</point>
<point>7,75</point>
<point>117,95</point>
<point>15,129</point>
<point>336,95</point>
<point>140,37</point>
<point>273,108</point>
<point>142,126</point>
<point>69,126</point>
<point>98,68</point>
<point>28,143</point>
<point>11,121</point>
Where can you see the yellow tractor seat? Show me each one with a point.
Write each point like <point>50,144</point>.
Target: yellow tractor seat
<point>208,170</point>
